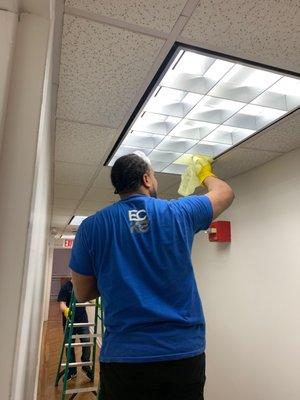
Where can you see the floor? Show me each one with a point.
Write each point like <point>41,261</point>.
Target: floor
<point>51,347</point>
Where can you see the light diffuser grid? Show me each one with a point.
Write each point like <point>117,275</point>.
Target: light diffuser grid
<point>205,105</point>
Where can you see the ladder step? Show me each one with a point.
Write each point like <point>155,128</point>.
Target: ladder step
<point>82,390</point>
<point>86,335</point>
<point>80,344</point>
<point>83,324</point>
<point>85,304</point>
<point>78,364</point>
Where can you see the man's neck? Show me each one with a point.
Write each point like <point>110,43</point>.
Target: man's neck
<point>137,193</point>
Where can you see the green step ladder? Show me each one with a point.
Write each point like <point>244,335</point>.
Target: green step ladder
<point>63,367</point>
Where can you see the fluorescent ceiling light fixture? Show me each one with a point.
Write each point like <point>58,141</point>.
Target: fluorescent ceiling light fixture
<point>67,237</point>
<point>202,102</point>
<point>77,219</point>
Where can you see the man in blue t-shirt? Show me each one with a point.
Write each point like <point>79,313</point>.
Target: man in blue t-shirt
<point>136,253</point>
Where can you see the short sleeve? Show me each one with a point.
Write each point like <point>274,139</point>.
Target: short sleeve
<point>199,209</point>
<point>81,258</point>
<point>63,294</point>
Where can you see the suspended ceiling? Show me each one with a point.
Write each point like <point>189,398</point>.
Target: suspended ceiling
<point>110,52</point>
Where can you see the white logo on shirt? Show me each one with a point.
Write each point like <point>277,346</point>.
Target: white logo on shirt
<point>137,215</point>
<point>139,222</point>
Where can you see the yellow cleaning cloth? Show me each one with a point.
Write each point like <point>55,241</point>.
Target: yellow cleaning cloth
<point>198,169</point>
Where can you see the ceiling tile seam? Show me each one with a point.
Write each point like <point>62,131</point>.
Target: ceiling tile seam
<point>103,19</point>
<point>57,40</point>
<point>189,8</point>
<point>63,208</point>
<point>71,162</point>
<point>262,149</point>
<point>85,123</point>
<point>68,184</point>
<point>94,164</point>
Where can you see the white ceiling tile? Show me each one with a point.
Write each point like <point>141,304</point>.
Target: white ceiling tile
<point>63,211</point>
<point>282,136</point>
<point>92,205</point>
<point>102,68</point>
<point>165,181</point>
<point>71,228</point>
<point>84,211</point>
<point>82,143</point>
<point>239,160</point>
<point>58,243</point>
<point>155,14</point>
<point>103,179</point>
<point>172,193</point>
<point>59,221</point>
<point>101,195</point>
<point>64,203</point>
<point>69,192</point>
<point>73,174</point>
<point>61,216</point>
<point>263,31</point>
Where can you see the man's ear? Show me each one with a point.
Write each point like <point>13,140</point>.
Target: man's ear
<point>146,181</point>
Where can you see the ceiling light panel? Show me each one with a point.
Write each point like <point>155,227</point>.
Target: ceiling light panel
<point>202,104</point>
<point>77,220</point>
<point>67,237</point>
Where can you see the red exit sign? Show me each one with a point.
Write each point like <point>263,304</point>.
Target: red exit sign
<point>68,243</point>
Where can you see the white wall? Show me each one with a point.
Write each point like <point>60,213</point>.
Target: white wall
<point>24,385</point>
<point>17,168</point>
<point>25,197</point>
<point>8,27</point>
<point>251,288</point>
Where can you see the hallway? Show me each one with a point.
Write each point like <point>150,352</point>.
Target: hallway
<point>51,346</point>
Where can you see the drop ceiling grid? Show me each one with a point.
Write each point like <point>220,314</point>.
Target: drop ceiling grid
<point>102,67</point>
<point>82,143</point>
<point>262,31</point>
<point>78,110</point>
<point>155,14</point>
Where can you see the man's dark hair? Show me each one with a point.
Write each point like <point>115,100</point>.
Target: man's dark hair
<point>127,173</point>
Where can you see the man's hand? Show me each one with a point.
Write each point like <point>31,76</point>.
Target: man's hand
<point>67,313</point>
<point>203,167</point>
<point>198,169</point>
<point>199,172</point>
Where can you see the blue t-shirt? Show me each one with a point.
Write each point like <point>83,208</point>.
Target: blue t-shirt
<point>139,250</point>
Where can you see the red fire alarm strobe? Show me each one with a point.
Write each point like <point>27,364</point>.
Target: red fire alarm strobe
<point>220,231</point>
